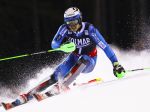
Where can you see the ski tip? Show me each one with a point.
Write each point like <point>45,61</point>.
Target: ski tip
<point>99,79</point>
<point>96,80</point>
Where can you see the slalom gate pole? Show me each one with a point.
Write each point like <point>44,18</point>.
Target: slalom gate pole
<point>68,47</point>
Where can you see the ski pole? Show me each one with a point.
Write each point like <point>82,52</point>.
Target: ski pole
<point>68,47</point>
<point>138,69</point>
<point>122,74</point>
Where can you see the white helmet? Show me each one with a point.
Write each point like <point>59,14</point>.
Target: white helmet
<point>73,13</point>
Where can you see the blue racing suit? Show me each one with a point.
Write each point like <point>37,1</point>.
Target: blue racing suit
<point>86,40</point>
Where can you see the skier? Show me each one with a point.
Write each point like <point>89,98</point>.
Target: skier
<point>83,60</point>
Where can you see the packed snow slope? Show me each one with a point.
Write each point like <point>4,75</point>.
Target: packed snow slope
<point>131,94</point>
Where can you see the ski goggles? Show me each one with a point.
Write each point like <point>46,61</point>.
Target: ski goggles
<point>74,22</point>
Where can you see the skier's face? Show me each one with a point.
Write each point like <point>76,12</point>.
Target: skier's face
<point>73,25</point>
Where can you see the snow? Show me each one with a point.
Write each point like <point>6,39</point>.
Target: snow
<point>131,94</point>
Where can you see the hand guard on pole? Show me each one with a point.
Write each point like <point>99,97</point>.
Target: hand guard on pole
<point>68,47</point>
<point>118,70</point>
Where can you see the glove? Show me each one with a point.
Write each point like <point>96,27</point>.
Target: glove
<point>118,70</point>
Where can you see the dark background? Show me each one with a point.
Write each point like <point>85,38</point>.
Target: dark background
<point>28,26</point>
